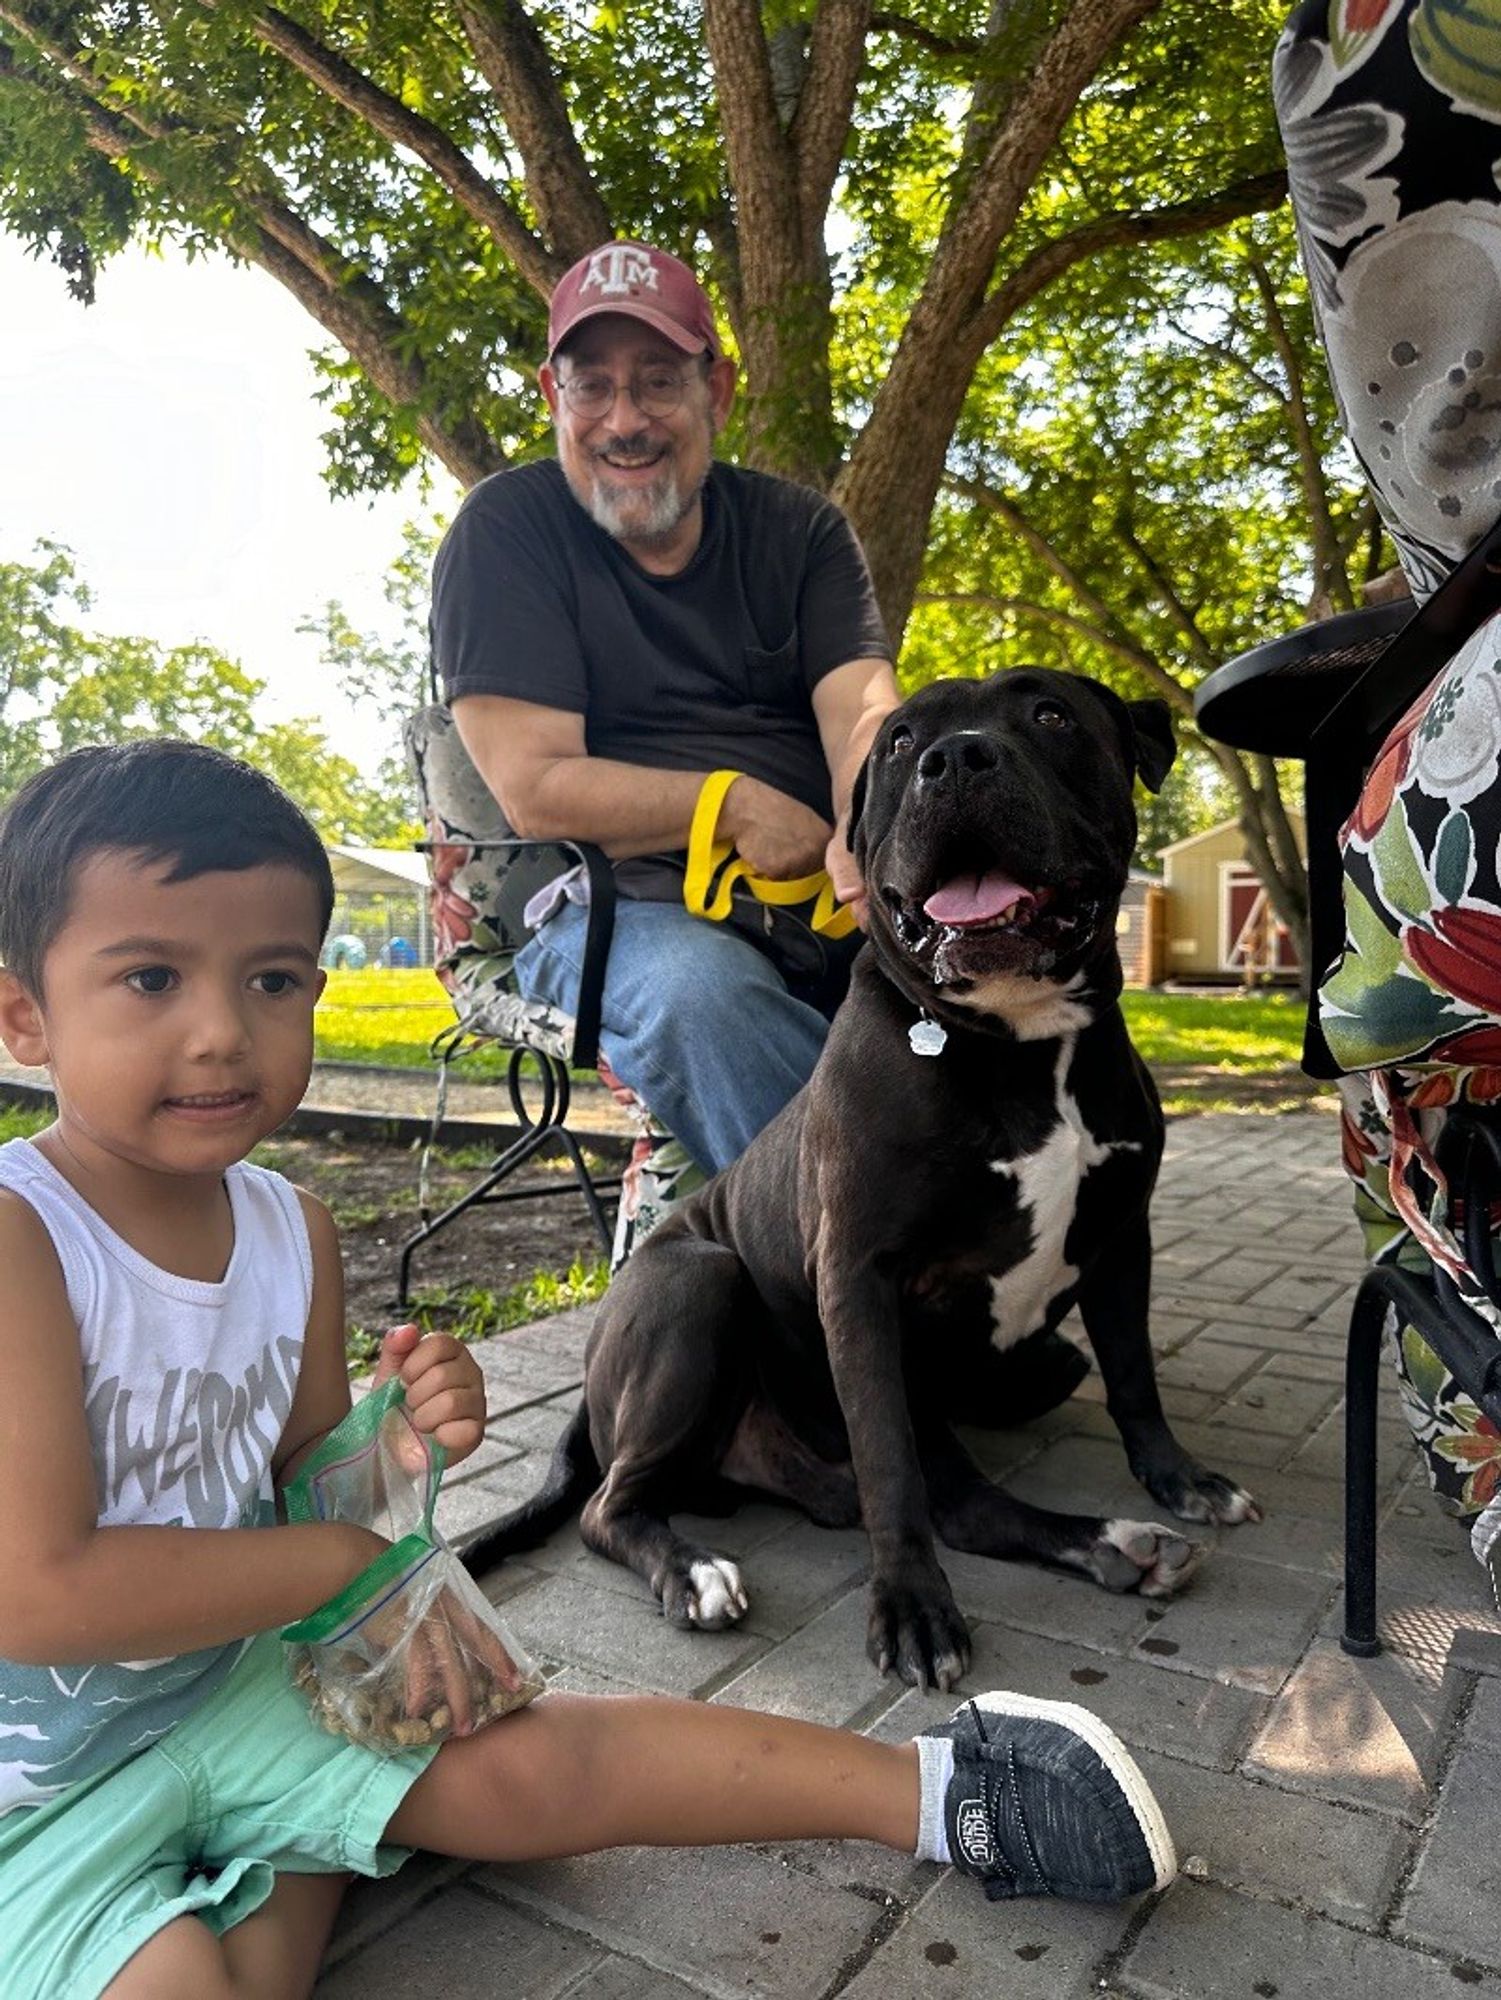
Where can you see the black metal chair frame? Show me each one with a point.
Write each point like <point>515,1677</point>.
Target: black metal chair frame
<point>1470,1153</point>
<point>1330,694</point>
<point>545,1126</point>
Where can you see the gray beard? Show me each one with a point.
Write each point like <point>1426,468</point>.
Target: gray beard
<point>620,518</point>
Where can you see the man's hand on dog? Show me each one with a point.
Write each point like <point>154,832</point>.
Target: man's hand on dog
<point>844,873</point>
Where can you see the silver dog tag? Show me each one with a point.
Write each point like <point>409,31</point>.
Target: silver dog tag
<point>927,1037</point>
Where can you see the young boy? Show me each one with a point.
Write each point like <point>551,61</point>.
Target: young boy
<point>172,1822</point>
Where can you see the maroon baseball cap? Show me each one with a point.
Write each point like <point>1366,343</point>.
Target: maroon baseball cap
<point>641,283</point>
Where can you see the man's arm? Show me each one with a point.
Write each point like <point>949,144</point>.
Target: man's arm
<point>73,1592</point>
<point>850,704</point>
<point>536,762</point>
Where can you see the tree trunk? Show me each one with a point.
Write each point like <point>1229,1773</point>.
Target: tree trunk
<point>891,480</point>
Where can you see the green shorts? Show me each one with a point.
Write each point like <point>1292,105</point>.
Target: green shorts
<point>197,1824</point>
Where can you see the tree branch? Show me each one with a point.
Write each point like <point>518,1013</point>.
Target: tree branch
<point>1036,115</point>
<point>343,300</point>
<point>1108,232</point>
<point>369,338</point>
<point>1223,352</point>
<point>757,151</point>
<point>1125,650</point>
<point>1177,611</point>
<point>515,62</point>
<point>1103,619</point>
<point>339,79</point>
<point>1333,578</point>
<point>1280,836</point>
<point>822,121</point>
<point>888,23</point>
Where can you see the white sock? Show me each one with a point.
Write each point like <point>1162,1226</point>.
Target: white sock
<point>935,1762</point>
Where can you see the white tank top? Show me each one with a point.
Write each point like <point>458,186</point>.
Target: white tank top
<point>187,1386</point>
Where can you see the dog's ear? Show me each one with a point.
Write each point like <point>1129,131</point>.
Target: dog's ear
<point>857,808</point>
<point>1153,741</point>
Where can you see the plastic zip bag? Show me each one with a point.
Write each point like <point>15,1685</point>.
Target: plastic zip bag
<point>412,1651</point>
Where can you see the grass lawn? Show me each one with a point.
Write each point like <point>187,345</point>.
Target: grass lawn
<point>1232,1032</point>
<point>391,1017</point>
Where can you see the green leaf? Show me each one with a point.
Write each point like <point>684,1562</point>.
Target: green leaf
<point>1425,1371</point>
<point>1452,856</point>
<point>1399,871</point>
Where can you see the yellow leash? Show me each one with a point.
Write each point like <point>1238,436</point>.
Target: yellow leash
<point>714,868</point>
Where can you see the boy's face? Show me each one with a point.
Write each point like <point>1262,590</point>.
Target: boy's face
<point>176,1017</point>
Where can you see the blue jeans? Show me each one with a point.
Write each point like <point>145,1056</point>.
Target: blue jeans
<point>698,1022</point>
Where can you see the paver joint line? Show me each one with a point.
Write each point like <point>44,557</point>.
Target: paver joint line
<point>1443,1763</point>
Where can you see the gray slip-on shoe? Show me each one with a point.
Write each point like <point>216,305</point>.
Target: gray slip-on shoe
<point>1046,1800</point>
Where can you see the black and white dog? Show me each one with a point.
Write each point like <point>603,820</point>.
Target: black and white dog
<point>973,1156</point>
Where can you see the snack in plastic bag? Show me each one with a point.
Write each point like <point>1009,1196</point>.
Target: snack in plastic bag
<point>411,1651</point>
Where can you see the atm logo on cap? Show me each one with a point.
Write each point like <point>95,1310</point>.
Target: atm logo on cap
<point>618,269</point>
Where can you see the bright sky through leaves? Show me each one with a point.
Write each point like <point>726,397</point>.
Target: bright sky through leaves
<point>168,435</point>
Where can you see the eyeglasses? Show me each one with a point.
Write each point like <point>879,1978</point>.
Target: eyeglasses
<point>656,391</point>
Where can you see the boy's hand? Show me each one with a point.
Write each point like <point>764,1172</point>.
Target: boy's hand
<point>445,1389</point>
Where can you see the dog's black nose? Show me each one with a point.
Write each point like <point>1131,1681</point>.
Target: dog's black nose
<point>954,758</point>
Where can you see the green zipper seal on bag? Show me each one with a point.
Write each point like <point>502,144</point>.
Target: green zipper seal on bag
<point>329,1618</point>
<point>346,1440</point>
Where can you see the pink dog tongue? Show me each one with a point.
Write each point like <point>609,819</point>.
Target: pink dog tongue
<point>976,899</point>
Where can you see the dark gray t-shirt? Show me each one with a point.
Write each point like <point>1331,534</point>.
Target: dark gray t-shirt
<point>711,669</point>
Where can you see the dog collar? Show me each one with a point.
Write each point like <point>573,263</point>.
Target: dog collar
<point>927,1036</point>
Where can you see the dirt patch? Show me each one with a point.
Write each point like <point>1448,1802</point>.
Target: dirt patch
<point>372,1190</point>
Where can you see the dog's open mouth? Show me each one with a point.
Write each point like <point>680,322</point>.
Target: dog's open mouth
<point>978,921</point>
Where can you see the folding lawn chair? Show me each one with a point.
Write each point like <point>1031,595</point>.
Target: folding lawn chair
<point>482,877</point>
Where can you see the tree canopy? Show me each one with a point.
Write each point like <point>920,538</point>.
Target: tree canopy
<point>420,175</point>
<point>990,268</point>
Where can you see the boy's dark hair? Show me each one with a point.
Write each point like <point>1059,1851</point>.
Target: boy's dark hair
<point>160,798</point>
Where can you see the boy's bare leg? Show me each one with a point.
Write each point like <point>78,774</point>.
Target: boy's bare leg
<point>573,1773</point>
<point>274,1952</point>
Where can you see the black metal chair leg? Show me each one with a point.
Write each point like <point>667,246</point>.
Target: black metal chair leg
<point>585,1181</point>
<point>514,1156</point>
<point>1362,1379</point>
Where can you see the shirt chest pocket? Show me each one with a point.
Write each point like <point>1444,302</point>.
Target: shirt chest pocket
<point>774,675</point>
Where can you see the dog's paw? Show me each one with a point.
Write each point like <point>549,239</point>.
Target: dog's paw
<point>707,1596</point>
<point>1194,1493</point>
<point>1143,1556</point>
<point>917,1632</point>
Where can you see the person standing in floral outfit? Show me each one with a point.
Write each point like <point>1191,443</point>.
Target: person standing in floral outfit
<point>1391,116</point>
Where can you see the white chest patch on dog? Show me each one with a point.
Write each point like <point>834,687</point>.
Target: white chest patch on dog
<point>1033,1009</point>
<point>1047,1192</point>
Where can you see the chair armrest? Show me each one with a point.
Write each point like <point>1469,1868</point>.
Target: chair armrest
<point>1272,698</point>
<point>597,935</point>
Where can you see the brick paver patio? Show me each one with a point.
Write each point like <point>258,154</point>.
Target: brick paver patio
<point>1333,1816</point>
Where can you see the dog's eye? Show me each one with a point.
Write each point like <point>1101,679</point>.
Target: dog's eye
<point>1051,716</point>
<point>899,740</point>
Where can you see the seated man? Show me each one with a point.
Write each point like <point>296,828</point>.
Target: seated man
<point>613,626</point>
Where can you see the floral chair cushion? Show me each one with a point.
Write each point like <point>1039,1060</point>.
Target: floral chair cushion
<point>476,897</point>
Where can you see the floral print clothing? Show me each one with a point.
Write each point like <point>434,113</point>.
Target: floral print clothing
<point>1391,117</point>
